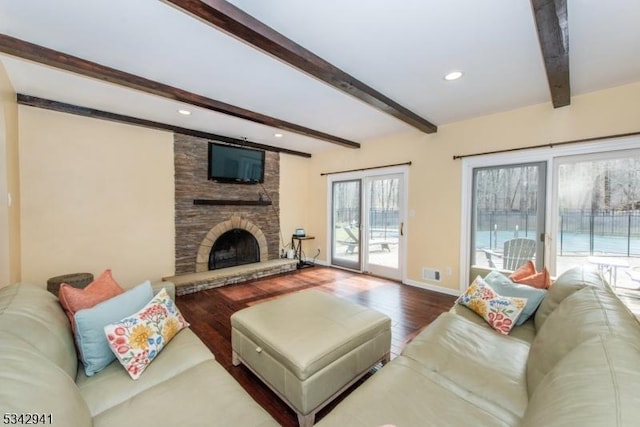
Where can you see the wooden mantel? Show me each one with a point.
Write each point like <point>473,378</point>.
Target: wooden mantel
<point>229,202</point>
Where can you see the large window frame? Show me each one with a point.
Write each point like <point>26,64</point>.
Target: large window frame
<point>540,189</point>
<point>549,155</point>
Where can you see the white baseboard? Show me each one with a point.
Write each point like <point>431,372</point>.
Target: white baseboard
<point>430,287</point>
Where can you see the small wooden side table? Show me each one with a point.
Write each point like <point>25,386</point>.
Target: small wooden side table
<point>297,248</point>
<point>77,280</point>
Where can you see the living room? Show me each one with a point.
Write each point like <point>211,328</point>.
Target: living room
<point>88,194</point>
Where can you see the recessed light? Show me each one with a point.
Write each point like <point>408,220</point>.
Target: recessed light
<point>278,135</point>
<point>454,75</point>
<point>184,112</point>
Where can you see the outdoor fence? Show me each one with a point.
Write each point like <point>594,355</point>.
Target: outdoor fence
<point>581,232</point>
<point>383,221</point>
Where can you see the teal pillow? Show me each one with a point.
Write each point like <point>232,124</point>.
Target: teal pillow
<point>505,287</point>
<point>91,341</point>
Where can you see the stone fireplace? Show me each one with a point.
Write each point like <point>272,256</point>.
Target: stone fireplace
<point>223,226</point>
<point>236,241</point>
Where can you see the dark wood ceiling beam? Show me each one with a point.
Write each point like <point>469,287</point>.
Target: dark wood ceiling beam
<point>234,21</point>
<point>553,32</point>
<point>62,107</point>
<point>50,57</point>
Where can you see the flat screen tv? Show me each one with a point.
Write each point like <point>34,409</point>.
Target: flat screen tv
<point>235,164</point>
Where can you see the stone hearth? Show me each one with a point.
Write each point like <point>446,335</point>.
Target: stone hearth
<point>194,282</point>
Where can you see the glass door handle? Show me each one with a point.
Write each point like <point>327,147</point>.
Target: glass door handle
<point>402,228</point>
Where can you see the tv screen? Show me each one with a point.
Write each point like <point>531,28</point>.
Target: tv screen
<point>235,164</point>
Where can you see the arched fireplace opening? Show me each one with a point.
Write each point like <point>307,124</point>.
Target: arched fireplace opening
<point>234,247</point>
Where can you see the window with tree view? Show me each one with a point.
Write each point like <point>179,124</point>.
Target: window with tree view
<point>508,215</point>
<point>598,214</point>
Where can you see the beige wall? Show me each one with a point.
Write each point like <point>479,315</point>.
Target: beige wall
<point>95,195</point>
<point>9,184</point>
<point>294,199</point>
<point>435,178</point>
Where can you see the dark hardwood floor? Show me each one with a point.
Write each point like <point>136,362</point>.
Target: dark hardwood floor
<point>208,312</point>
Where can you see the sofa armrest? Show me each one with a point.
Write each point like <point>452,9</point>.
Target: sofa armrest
<point>169,286</point>
<point>157,287</point>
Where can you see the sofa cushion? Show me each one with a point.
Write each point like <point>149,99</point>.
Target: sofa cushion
<point>204,395</point>
<point>34,315</point>
<point>583,315</point>
<point>113,386</point>
<point>405,393</point>
<point>595,385</point>
<point>91,341</point>
<point>525,332</point>
<point>499,311</point>
<point>32,384</point>
<point>137,339</point>
<point>101,289</point>
<point>501,284</point>
<point>485,364</point>
<point>567,283</point>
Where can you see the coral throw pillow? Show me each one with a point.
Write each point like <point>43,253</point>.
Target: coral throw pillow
<point>500,312</point>
<point>101,289</point>
<point>540,280</point>
<point>527,275</point>
<point>525,270</point>
<point>137,339</point>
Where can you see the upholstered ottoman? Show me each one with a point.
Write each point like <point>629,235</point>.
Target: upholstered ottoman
<point>308,347</point>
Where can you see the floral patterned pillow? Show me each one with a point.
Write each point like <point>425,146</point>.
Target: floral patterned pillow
<point>137,339</point>
<point>498,311</point>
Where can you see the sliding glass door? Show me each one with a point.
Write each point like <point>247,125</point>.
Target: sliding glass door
<point>597,215</point>
<point>368,221</point>
<point>345,223</point>
<point>384,225</point>
<point>508,216</point>
<point>579,203</point>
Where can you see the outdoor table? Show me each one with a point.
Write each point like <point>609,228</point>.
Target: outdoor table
<point>609,265</point>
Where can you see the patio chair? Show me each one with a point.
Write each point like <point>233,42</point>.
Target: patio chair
<point>353,243</point>
<point>516,252</point>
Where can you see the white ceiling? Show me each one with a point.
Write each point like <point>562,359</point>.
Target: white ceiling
<point>401,48</point>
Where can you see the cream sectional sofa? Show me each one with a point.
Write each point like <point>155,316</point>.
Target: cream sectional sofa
<point>575,362</point>
<point>40,374</point>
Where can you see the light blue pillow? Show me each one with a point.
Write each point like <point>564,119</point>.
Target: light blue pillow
<point>505,287</point>
<point>91,341</point>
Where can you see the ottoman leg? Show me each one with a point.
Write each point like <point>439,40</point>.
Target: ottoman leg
<point>306,420</point>
<point>235,360</point>
<point>386,359</point>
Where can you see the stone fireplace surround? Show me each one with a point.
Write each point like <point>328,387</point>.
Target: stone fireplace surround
<point>197,226</point>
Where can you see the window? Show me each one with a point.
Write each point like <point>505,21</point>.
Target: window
<point>579,202</point>
<point>597,212</point>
